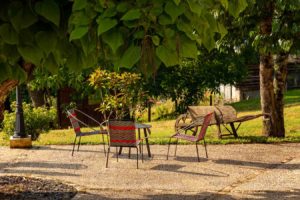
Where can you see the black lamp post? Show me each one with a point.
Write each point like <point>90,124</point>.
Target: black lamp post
<point>20,127</point>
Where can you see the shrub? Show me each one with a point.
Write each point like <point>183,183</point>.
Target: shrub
<point>37,120</point>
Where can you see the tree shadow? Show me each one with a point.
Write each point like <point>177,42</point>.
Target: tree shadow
<point>257,164</point>
<point>15,168</point>
<point>46,148</point>
<point>176,168</point>
<point>264,195</point>
<point>190,159</point>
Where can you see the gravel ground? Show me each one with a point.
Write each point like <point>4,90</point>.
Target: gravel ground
<point>244,171</point>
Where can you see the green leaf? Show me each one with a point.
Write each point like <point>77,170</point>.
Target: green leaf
<point>51,64</point>
<point>213,26</point>
<point>11,53</point>
<point>188,48</point>
<point>164,20</point>
<point>46,40</point>
<point>131,56</point>
<point>123,7</point>
<point>186,28</point>
<point>114,39</point>
<point>177,2</point>
<point>132,14</point>
<point>222,30</point>
<point>105,24</point>
<point>74,62</point>
<point>50,10</point>
<point>208,41</point>
<point>156,10</point>
<point>235,7</point>
<point>155,40</point>
<point>168,32</point>
<point>21,16</point>
<point>79,5</point>
<point>195,7</point>
<point>285,44</point>
<point>18,73</point>
<point>79,19</point>
<point>168,57</point>
<point>5,71</point>
<point>78,32</point>
<point>173,10</point>
<point>88,44</point>
<point>109,12</point>
<point>31,54</point>
<point>8,34</point>
<point>139,34</point>
<point>224,3</point>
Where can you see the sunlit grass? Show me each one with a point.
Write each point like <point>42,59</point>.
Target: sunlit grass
<point>249,132</point>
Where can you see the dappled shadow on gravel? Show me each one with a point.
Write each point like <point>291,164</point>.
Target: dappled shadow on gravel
<point>41,168</point>
<point>262,195</point>
<point>190,159</point>
<point>178,169</point>
<point>257,164</point>
<point>268,194</point>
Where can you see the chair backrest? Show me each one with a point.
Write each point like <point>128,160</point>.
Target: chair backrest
<point>122,133</point>
<point>206,123</point>
<point>74,120</point>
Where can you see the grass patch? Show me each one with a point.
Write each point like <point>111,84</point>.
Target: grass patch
<point>291,98</point>
<point>249,132</point>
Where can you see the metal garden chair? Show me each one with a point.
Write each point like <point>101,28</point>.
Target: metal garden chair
<point>181,134</point>
<point>77,129</point>
<point>122,134</point>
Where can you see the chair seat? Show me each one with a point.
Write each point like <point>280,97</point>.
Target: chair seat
<point>185,137</point>
<point>125,143</point>
<point>91,133</point>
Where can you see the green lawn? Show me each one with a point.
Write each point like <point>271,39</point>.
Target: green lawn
<point>249,132</point>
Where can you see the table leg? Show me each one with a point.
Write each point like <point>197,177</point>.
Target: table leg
<point>233,130</point>
<point>147,142</point>
<point>139,134</point>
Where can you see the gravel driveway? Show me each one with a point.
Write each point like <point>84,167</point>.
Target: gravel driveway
<point>249,171</point>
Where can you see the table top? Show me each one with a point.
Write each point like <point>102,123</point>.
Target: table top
<point>139,125</point>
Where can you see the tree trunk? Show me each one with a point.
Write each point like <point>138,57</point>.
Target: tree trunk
<point>37,97</point>
<point>279,87</point>
<point>266,72</point>
<point>267,99</point>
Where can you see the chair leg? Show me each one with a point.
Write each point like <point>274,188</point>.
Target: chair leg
<point>79,143</point>
<point>137,157</point>
<point>117,154</point>
<point>168,148</point>
<point>129,152</point>
<point>205,147</point>
<point>142,152</point>
<point>104,144</point>
<point>74,145</point>
<point>176,147</point>
<point>107,156</point>
<point>197,152</point>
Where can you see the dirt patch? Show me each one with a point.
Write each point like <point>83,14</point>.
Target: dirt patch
<point>20,187</point>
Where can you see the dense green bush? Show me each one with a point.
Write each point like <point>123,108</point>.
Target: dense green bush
<point>37,120</point>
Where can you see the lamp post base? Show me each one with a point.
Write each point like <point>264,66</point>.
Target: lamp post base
<point>16,142</point>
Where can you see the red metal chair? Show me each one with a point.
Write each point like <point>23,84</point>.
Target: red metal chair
<point>78,133</point>
<point>122,134</point>
<point>181,134</point>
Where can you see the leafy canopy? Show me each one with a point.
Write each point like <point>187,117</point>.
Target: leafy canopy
<point>82,33</point>
<point>147,33</point>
